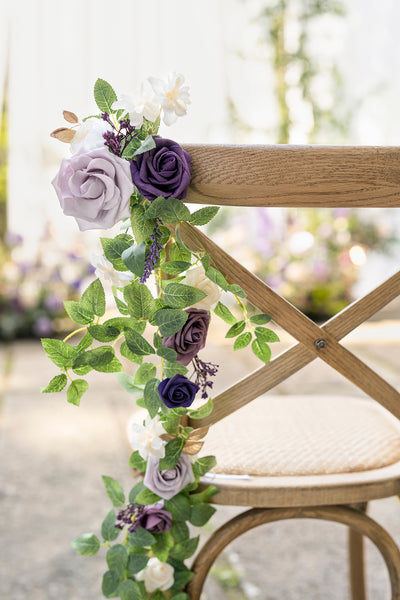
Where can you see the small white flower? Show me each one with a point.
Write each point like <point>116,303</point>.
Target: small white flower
<point>138,105</point>
<point>173,96</point>
<point>89,135</point>
<point>197,278</point>
<point>156,575</point>
<point>146,438</point>
<point>105,270</point>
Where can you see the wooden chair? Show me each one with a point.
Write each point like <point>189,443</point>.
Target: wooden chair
<point>334,485</point>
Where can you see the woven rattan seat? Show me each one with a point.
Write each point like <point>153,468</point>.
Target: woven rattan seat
<point>304,435</point>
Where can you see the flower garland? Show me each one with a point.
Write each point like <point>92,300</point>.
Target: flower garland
<point>122,170</point>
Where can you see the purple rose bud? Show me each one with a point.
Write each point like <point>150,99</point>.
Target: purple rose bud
<point>155,519</point>
<point>170,482</point>
<point>162,171</point>
<point>177,391</point>
<point>191,338</point>
<point>94,187</point>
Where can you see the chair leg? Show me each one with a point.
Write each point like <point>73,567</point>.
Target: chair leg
<point>356,519</point>
<point>356,560</point>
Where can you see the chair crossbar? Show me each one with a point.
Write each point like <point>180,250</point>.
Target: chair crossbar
<point>318,340</point>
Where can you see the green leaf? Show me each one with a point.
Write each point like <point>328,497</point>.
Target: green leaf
<point>242,341</point>
<point>179,295</point>
<point>137,344</point>
<point>117,559</point>
<point>204,465</point>
<point>180,596</point>
<point>180,531</point>
<point>104,96</point>
<point>137,488</point>
<point>122,307</point>
<point>235,289</point>
<point>178,253</point>
<point>158,595</point>
<point>201,513</point>
<point>203,496</point>
<point>145,146</point>
<point>136,563</point>
<point>185,549</point>
<point>179,507</point>
<point>139,300</point>
<point>170,320</point>
<point>94,299</point>
<point>134,258</point>
<point>57,384</point>
<point>76,390</point>
<point>86,544</point>
<point>141,227</point>
<point>202,412</point>
<point>130,355</point>
<point>137,462</point>
<point>141,538</point>
<point>261,350</point>
<point>96,358</point>
<point>128,383</point>
<point>82,370</point>
<point>77,313</point>
<point>164,542</point>
<point>181,578</point>
<point>110,584</point>
<point>174,267</point>
<point>174,368</point>
<point>170,210</point>
<point>114,247</point>
<point>85,342</point>
<point>167,353</point>
<point>225,314</point>
<point>266,335</point>
<point>172,422</point>
<point>123,323</point>
<point>236,329</point>
<point>145,372</point>
<point>260,319</point>
<point>173,450</point>
<point>130,590</point>
<point>203,215</point>
<point>108,529</point>
<point>103,333</point>
<point>130,149</point>
<point>114,490</point>
<point>151,397</point>
<point>61,353</point>
<point>216,277</point>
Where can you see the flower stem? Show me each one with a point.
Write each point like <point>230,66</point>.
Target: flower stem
<point>74,333</point>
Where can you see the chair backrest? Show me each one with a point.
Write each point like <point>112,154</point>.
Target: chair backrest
<point>296,176</point>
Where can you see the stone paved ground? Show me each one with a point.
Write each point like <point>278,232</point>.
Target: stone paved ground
<point>52,455</point>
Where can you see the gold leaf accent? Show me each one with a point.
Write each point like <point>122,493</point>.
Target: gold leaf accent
<point>192,447</point>
<point>166,437</point>
<point>70,116</point>
<point>64,134</point>
<point>198,434</point>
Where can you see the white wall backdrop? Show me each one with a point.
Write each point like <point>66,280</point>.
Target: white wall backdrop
<point>57,49</point>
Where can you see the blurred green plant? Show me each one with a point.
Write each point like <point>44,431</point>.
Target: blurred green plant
<point>3,161</point>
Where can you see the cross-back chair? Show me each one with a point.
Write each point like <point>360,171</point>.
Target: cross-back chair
<point>351,447</point>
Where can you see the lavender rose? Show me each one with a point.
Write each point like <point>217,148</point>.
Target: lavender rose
<point>94,187</point>
<point>155,519</point>
<point>170,482</point>
<point>163,171</point>
<point>177,391</point>
<point>191,338</point>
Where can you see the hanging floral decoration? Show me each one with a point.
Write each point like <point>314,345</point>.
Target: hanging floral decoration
<point>122,171</point>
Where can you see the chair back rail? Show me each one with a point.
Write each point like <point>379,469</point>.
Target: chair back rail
<point>285,175</point>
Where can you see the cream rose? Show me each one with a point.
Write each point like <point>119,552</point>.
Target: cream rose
<point>156,575</point>
<point>146,438</point>
<point>197,278</point>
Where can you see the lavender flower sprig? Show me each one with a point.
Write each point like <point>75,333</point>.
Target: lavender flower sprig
<point>153,253</point>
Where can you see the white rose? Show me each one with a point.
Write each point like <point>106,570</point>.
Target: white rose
<point>138,105</point>
<point>105,270</point>
<point>146,438</point>
<point>89,135</point>
<point>156,575</point>
<point>173,96</point>
<point>197,278</point>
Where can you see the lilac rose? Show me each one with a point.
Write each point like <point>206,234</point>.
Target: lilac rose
<point>155,519</point>
<point>162,171</point>
<point>191,338</point>
<point>94,187</point>
<point>170,482</point>
<point>177,391</point>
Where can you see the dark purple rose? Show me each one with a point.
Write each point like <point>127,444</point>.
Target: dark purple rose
<point>155,519</point>
<point>177,391</point>
<point>163,171</point>
<point>170,482</point>
<point>191,338</point>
